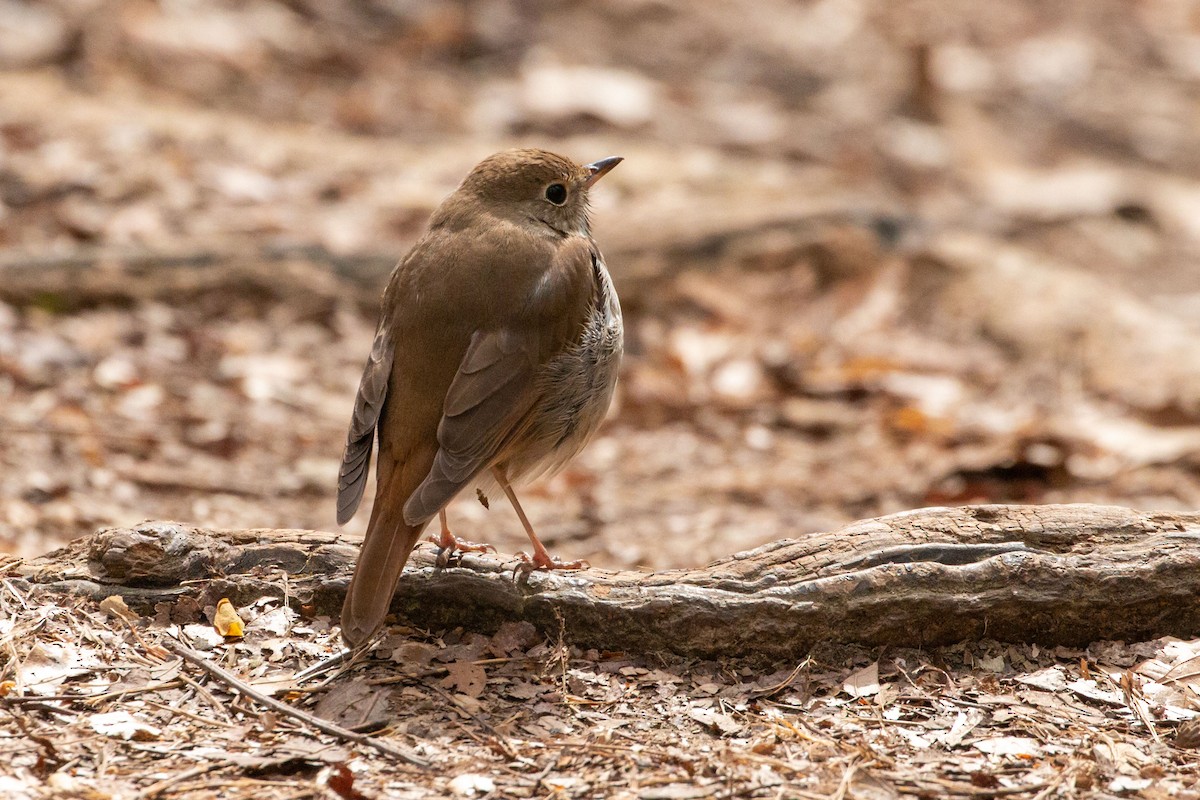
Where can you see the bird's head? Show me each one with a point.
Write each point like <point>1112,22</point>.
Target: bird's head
<point>538,186</point>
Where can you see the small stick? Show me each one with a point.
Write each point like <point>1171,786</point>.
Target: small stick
<point>242,688</point>
<point>81,697</point>
<point>770,691</point>
<point>207,696</point>
<point>324,665</point>
<point>38,703</point>
<point>191,715</point>
<point>155,789</point>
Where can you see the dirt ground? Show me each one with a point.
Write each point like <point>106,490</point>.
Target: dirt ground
<point>873,256</point>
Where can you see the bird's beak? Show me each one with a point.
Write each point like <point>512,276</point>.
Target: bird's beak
<point>598,169</point>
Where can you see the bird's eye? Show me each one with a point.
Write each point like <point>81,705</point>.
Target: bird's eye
<point>556,193</point>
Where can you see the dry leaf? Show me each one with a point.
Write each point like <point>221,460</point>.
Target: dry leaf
<point>114,605</point>
<point>203,637</point>
<point>863,683</point>
<point>355,705</point>
<point>1187,735</point>
<point>1009,746</point>
<point>994,664</point>
<point>470,785</point>
<point>513,636</point>
<point>1126,784</point>
<point>414,654</point>
<point>1090,690</point>
<point>48,665</point>
<point>466,677</point>
<point>123,725</point>
<point>340,781</point>
<point>716,720</point>
<point>226,620</point>
<point>1051,679</point>
<point>964,723</point>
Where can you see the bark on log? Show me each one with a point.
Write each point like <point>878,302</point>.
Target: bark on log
<point>1066,574</point>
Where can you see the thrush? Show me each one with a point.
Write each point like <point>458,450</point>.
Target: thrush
<point>494,362</point>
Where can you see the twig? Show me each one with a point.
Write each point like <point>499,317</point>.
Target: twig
<point>247,691</point>
<point>744,791</point>
<point>940,785</point>
<point>37,703</point>
<point>8,562</point>
<point>1133,700</point>
<point>771,691</point>
<point>90,698</point>
<point>323,666</point>
<point>924,698</point>
<point>844,783</point>
<point>190,715</point>
<point>155,789</point>
<point>206,695</point>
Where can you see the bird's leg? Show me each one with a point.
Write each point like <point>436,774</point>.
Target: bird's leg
<point>541,559</point>
<point>448,544</point>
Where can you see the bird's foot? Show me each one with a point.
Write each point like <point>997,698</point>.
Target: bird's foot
<point>543,560</point>
<point>451,547</point>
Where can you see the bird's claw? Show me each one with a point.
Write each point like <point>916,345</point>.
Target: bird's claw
<point>539,561</point>
<point>445,555</point>
<point>451,548</point>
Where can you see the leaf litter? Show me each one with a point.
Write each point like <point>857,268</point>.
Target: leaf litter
<point>96,703</point>
<point>842,389</point>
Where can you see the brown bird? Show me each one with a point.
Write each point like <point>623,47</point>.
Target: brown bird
<point>495,360</point>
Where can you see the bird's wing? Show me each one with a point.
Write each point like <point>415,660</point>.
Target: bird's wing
<point>368,404</point>
<point>495,391</point>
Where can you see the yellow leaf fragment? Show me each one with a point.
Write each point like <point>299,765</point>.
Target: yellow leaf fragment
<point>226,620</point>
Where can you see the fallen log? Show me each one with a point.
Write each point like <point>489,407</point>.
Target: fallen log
<point>1066,574</point>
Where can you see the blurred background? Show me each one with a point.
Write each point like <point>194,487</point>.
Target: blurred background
<point>874,254</point>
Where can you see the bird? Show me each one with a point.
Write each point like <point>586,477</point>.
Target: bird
<point>495,360</point>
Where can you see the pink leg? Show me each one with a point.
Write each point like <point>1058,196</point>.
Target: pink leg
<point>541,559</point>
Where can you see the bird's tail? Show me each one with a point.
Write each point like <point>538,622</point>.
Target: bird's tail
<point>385,550</point>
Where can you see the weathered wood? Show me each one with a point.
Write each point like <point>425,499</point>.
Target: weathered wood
<point>1065,574</point>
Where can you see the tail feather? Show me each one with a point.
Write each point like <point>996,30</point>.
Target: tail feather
<point>385,551</point>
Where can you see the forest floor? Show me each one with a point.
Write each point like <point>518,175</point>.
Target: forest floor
<point>867,269</point>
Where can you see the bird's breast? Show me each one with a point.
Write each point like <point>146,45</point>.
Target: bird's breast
<point>575,387</point>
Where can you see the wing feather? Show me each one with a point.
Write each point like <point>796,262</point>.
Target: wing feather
<point>493,391</point>
<point>368,405</point>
